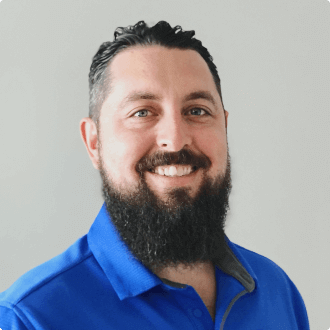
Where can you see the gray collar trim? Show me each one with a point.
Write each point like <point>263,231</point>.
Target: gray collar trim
<point>230,265</point>
<point>174,284</point>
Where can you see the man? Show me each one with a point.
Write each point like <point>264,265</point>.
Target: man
<point>156,256</point>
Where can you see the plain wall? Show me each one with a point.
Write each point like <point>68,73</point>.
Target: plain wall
<point>273,60</point>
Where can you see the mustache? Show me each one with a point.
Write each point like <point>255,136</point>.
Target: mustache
<point>182,157</point>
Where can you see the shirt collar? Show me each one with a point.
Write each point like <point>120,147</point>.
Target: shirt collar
<point>129,277</point>
<point>233,263</point>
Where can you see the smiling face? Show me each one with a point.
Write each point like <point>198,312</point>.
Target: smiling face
<point>146,112</point>
<point>163,109</point>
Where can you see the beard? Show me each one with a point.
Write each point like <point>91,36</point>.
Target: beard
<point>178,229</point>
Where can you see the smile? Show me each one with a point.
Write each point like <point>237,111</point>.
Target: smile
<point>174,170</point>
<point>170,180</point>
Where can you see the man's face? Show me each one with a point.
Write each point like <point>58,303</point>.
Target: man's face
<point>164,109</point>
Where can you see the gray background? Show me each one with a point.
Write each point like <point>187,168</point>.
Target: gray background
<point>273,60</point>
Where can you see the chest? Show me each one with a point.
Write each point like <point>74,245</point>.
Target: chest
<point>208,293</point>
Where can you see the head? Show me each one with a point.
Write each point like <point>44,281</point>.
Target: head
<point>139,35</point>
<point>155,101</point>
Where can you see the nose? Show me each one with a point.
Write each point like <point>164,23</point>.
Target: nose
<point>173,132</point>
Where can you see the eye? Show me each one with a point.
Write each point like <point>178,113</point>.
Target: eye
<point>143,111</point>
<point>197,111</point>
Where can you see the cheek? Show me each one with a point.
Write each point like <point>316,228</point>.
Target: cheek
<point>212,142</point>
<point>121,154</point>
<point>214,145</point>
<point>121,150</point>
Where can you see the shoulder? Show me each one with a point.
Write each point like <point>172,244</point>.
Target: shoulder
<point>270,278</point>
<point>41,277</point>
<point>274,291</point>
<point>257,261</point>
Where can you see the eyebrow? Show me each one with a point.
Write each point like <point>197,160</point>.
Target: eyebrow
<point>200,95</point>
<point>140,95</point>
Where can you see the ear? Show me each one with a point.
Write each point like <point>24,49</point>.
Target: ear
<point>88,134</point>
<point>226,117</point>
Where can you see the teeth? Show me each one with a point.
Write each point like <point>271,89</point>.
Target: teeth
<point>180,170</point>
<point>173,170</point>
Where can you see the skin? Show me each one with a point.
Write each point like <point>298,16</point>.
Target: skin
<point>133,130</point>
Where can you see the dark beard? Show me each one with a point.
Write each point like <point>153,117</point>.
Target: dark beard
<point>180,230</point>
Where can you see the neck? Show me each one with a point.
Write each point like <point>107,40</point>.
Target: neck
<point>200,276</point>
<point>193,274</point>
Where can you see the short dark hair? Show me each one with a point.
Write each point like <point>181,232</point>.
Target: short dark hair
<point>140,34</point>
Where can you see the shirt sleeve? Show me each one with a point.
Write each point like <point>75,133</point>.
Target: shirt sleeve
<point>299,308</point>
<point>9,320</point>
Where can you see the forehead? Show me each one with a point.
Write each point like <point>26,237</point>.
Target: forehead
<point>166,72</point>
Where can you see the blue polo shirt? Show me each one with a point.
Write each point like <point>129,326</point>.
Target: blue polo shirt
<point>98,284</point>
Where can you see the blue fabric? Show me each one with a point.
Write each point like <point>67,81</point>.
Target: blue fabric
<point>98,284</point>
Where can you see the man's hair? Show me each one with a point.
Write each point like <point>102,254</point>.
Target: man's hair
<point>139,35</point>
